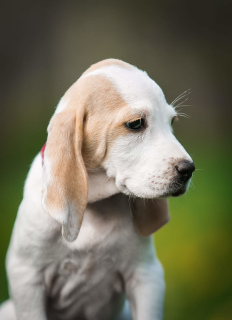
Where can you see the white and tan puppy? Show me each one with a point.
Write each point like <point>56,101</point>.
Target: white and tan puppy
<point>102,180</point>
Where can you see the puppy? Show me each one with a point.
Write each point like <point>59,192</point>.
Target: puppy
<point>102,181</point>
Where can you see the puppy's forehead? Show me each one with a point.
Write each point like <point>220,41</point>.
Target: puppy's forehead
<point>135,86</point>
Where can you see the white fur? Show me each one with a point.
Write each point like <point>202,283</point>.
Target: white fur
<point>90,276</point>
<point>139,159</point>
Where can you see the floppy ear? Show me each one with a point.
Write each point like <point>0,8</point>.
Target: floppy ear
<point>65,187</point>
<point>149,215</point>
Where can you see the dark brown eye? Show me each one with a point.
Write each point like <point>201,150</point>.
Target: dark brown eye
<point>136,125</point>
<point>174,119</point>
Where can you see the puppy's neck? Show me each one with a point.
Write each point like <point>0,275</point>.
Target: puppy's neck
<point>100,186</point>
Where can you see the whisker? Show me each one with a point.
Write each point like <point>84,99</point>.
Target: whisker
<point>181,103</point>
<point>182,95</point>
<point>181,114</point>
<point>192,185</point>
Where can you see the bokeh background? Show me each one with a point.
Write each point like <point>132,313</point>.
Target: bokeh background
<point>46,45</point>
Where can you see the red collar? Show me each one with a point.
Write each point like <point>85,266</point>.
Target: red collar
<point>42,153</point>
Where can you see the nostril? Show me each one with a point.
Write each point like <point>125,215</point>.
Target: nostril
<point>185,169</point>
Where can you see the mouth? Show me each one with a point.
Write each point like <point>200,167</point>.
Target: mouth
<point>178,193</point>
<point>179,189</point>
<point>175,189</point>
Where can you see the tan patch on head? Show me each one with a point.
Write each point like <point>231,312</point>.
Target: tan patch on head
<point>108,62</point>
<point>105,114</point>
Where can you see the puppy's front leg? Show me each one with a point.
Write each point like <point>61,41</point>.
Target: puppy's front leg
<point>27,292</point>
<point>146,292</point>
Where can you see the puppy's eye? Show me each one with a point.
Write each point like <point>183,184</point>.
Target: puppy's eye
<point>174,119</point>
<point>137,124</point>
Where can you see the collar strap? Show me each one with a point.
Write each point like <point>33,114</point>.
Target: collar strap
<point>42,153</point>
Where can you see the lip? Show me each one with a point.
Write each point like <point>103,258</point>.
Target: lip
<point>178,193</point>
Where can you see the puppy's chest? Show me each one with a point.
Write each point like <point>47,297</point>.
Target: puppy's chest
<point>91,270</point>
<point>83,280</point>
<point>95,261</point>
<point>81,271</point>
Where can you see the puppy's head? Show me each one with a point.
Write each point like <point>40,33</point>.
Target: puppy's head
<point>114,118</point>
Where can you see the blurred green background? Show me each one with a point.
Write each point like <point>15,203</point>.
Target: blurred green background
<point>46,45</point>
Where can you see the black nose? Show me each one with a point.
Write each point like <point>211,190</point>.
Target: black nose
<point>185,169</point>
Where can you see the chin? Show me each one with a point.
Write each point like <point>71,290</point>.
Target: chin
<point>176,192</point>
<point>179,192</point>
<point>170,191</point>
<point>143,195</point>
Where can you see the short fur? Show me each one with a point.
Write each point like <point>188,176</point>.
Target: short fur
<point>105,187</point>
